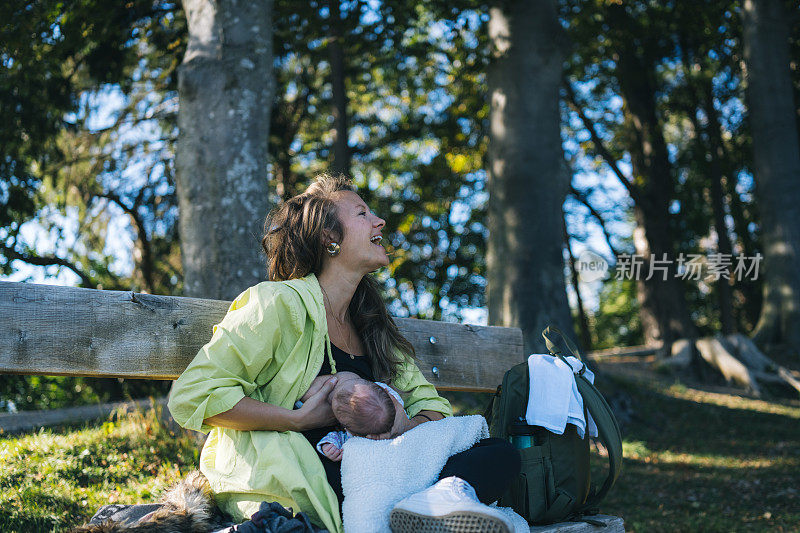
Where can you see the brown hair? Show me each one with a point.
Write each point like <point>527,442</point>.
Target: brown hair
<point>295,246</point>
<point>364,408</point>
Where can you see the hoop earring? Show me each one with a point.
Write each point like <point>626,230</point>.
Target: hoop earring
<point>333,249</point>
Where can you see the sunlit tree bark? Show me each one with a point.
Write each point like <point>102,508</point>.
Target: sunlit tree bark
<point>226,89</point>
<point>527,184</point>
<point>777,168</point>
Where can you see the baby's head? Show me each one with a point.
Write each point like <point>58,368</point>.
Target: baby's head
<point>361,406</point>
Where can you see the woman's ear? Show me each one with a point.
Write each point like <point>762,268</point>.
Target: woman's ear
<point>328,237</point>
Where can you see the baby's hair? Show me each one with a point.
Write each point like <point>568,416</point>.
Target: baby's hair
<point>364,409</point>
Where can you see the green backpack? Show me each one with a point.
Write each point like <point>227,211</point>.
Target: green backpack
<point>554,484</point>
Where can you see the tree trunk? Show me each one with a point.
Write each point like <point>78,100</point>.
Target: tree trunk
<point>776,168</point>
<point>724,292</point>
<point>226,90</point>
<point>665,315</point>
<point>341,149</point>
<point>583,320</point>
<point>709,139</point>
<point>649,314</point>
<point>747,288</point>
<point>527,184</point>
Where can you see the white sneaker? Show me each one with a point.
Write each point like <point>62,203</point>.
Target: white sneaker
<point>449,506</point>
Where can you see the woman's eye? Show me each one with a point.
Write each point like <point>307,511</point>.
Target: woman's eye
<point>363,213</point>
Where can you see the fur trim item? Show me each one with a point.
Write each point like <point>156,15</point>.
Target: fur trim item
<point>188,507</point>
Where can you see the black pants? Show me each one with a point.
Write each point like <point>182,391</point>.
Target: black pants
<point>489,466</point>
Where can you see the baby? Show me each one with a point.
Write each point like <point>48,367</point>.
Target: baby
<point>361,407</point>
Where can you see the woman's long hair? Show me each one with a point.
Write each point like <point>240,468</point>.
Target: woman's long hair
<point>295,247</point>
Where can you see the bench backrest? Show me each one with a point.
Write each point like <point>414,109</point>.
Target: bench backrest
<point>86,332</point>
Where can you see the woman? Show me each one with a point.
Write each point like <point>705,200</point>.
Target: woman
<point>320,313</point>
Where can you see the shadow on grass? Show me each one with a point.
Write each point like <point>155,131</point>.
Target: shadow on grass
<point>692,465</point>
<point>653,496</point>
<point>680,425</point>
<point>37,512</point>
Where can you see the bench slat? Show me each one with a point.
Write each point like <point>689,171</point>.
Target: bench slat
<point>85,332</point>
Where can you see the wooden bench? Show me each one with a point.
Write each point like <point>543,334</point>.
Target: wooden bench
<point>85,332</point>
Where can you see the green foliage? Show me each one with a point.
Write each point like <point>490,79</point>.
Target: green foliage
<point>617,321</point>
<point>417,112</point>
<point>26,393</point>
<point>44,392</point>
<point>688,56</point>
<point>417,109</point>
<point>70,175</point>
<point>56,480</point>
<point>63,65</point>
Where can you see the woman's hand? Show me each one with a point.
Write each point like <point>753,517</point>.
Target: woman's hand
<point>316,385</point>
<point>400,426</point>
<point>316,411</point>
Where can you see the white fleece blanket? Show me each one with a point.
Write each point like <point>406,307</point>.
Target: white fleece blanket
<point>378,474</point>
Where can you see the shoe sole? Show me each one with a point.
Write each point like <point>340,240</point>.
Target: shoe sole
<point>402,521</point>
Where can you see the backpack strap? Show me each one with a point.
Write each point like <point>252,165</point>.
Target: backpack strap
<point>608,433</point>
<point>553,348</point>
<point>607,427</point>
<point>555,351</point>
<point>488,413</point>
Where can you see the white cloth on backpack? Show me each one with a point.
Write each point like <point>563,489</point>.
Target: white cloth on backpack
<point>553,397</point>
<point>376,474</point>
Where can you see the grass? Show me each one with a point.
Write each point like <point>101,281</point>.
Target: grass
<point>56,480</point>
<point>704,461</point>
<point>694,461</point>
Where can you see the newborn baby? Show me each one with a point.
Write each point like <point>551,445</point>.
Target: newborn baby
<point>362,408</point>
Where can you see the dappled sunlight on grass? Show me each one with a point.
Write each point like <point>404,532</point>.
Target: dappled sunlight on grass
<point>707,461</point>
<point>637,450</point>
<point>55,480</point>
<point>734,402</point>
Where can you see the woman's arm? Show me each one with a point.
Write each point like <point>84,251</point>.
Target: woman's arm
<point>253,415</point>
<point>425,416</point>
<point>217,386</point>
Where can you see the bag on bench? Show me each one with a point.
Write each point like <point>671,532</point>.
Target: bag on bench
<point>555,483</point>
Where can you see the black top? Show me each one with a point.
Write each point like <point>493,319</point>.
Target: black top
<point>358,364</point>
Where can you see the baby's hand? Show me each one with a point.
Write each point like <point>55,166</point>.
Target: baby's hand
<point>332,452</point>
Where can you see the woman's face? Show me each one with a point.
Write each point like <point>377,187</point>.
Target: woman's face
<point>360,245</point>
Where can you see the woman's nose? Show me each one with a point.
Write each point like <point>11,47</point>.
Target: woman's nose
<point>379,222</point>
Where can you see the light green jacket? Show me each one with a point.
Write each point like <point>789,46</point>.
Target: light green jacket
<point>270,346</point>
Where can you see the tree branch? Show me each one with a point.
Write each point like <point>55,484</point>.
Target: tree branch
<point>633,190</point>
<point>141,232</point>
<point>585,201</point>
<point>48,260</point>
<point>102,157</point>
<point>125,119</point>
